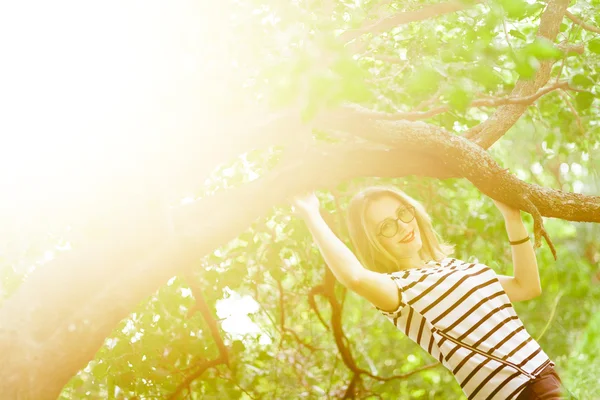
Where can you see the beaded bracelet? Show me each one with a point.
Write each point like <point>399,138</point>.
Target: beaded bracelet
<point>519,241</point>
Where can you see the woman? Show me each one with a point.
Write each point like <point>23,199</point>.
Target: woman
<point>460,313</point>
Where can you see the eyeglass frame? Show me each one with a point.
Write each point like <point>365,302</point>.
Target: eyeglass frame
<point>412,211</point>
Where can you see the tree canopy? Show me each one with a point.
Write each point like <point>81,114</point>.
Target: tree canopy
<point>149,249</point>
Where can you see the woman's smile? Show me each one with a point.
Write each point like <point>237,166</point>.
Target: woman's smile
<point>408,238</point>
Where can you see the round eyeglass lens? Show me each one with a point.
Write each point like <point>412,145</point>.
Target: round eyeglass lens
<point>389,229</point>
<point>406,214</point>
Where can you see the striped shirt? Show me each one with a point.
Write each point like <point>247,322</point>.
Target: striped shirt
<point>459,313</point>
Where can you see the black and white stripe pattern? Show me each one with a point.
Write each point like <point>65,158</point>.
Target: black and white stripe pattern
<point>459,313</point>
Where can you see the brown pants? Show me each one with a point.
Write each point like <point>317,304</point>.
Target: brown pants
<point>546,386</point>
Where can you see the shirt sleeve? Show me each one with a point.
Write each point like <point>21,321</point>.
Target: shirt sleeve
<point>394,313</point>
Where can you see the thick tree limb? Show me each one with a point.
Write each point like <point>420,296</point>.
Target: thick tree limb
<point>224,139</point>
<point>463,158</point>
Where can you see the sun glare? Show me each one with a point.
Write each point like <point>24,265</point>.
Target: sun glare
<point>91,93</point>
<point>235,309</point>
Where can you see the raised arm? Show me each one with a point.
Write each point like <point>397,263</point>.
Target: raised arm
<point>378,288</point>
<point>525,284</point>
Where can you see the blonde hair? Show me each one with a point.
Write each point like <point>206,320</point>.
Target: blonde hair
<point>367,247</point>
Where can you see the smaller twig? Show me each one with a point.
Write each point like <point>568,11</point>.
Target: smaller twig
<point>485,102</point>
<point>281,311</point>
<point>403,18</point>
<point>551,316</point>
<point>403,376</point>
<point>573,110</point>
<point>429,102</point>
<point>337,359</point>
<point>301,342</point>
<point>201,369</point>
<point>269,317</point>
<point>284,329</point>
<point>506,35</point>
<point>223,357</point>
<point>562,65</point>
<point>319,289</point>
<point>390,59</point>
<point>584,25</point>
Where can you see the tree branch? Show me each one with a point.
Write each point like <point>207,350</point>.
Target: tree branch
<point>464,159</point>
<point>488,132</point>
<point>573,110</point>
<point>403,18</point>
<point>201,369</point>
<point>405,375</point>
<point>486,102</point>
<point>223,357</point>
<point>584,25</point>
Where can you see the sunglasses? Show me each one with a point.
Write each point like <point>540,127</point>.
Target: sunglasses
<point>389,228</point>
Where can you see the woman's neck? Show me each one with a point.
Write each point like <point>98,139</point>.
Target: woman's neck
<point>411,262</point>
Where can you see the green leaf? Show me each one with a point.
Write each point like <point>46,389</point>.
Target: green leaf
<point>431,44</point>
<point>321,85</point>
<point>347,68</point>
<point>459,99</point>
<point>285,92</point>
<point>264,356</point>
<point>447,56</point>
<point>302,65</point>
<point>101,369</point>
<point>125,379</point>
<point>533,9</point>
<point>544,49</point>
<point>356,92</point>
<point>423,81</point>
<point>486,76</point>
<point>235,275</point>
<point>594,46</point>
<point>581,80</point>
<point>550,139</point>
<point>517,34</point>
<point>447,120</point>
<point>515,9</point>
<point>563,27</point>
<point>584,100</point>
<point>527,66</point>
<point>238,347</point>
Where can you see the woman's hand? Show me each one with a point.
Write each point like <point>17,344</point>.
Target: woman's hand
<point>506,210</point>
<point>306,204</point>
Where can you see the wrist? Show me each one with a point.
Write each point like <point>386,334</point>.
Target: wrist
<point>307,212</point>
<point>512,216</point>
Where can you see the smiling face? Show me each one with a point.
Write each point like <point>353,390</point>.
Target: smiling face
<point>385,210</point>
